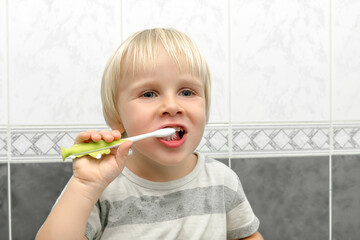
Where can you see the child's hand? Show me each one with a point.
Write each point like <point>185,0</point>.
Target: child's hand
<point>100,172</point>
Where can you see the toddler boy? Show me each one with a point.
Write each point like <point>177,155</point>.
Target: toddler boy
<point>164,190</point>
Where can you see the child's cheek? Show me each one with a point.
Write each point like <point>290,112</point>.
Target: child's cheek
<point>138,119</point>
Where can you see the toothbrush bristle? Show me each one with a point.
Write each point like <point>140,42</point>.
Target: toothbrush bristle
<point>166,132</point>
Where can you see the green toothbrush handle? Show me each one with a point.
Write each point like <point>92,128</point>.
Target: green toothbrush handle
<point>78,149</point>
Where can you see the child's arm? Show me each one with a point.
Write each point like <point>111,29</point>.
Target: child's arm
<point>69,216</point>
<point>255,236</point>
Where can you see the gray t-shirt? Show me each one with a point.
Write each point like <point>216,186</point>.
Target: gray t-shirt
<point>208,203</point>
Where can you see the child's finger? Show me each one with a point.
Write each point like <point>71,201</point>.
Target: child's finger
<point>82,137</point>
<point>95,135</point>
<point>107,135</point>
<point>116,134</point>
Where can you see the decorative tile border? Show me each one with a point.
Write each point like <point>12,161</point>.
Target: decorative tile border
<point>280,139</point>
<point>44,143</point>
<point>40,143</point>
<point>215,141</point>
<point>346,138</point>
<point>3,143</point>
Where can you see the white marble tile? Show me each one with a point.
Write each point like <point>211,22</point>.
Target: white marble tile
<point>280,61</point>
<point>3,64</point>
<point>205,22</point>
<point>346,70</point>
<point>57,52</point>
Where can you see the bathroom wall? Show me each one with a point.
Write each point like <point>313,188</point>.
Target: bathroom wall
<point>285,110</point>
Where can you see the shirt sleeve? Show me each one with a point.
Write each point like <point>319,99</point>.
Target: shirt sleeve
<point>241,220</point>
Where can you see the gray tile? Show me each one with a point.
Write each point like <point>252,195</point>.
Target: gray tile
<point>346,197</point>
<point>34,189</point>
<point>289,195</point>
<point>4,212</point>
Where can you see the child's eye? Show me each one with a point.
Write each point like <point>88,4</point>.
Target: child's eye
<point>187,93</point>
<point>148,94</point>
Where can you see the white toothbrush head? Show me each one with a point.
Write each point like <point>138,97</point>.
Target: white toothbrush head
<point>164,132</point>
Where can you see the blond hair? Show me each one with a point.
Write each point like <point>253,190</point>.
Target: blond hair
<point>138,53</point>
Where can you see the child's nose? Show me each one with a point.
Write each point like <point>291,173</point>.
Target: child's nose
<point>171,107</point>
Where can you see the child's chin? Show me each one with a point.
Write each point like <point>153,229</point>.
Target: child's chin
<point>175,160</point>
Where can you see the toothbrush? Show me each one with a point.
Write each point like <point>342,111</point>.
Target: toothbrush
<point>96,149</point>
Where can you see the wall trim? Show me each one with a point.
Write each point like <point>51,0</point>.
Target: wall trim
<point>43,142</point>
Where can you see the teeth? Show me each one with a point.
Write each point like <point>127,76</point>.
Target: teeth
<point>170,138</point>
<point>178,129</point>
<point>174,136</point>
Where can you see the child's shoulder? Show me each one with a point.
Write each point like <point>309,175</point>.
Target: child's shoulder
<point>214,163</point>
<point>218,165</point>
<point>221,172</point>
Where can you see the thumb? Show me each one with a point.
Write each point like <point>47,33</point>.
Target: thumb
<point>122,153</point>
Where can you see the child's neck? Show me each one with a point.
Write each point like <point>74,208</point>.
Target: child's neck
<point>159,173</point>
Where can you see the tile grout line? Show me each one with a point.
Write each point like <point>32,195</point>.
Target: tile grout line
<point>230,137</point>
<point>121,21</point>
<point>224,156</point>
<point>331,140</point>
<point>245,124</point>
<point>8,130</point>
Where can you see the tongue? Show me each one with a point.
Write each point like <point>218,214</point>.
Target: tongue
<point>177,136</point>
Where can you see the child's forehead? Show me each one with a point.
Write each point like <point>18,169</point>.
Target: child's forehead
<point>152,78</point>
<point>145,65</point>
<point>163,66</point>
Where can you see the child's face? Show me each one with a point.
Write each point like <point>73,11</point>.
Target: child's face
<point>159,99</point>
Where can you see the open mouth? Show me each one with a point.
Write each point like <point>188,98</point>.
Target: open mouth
<point>178,135</point>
